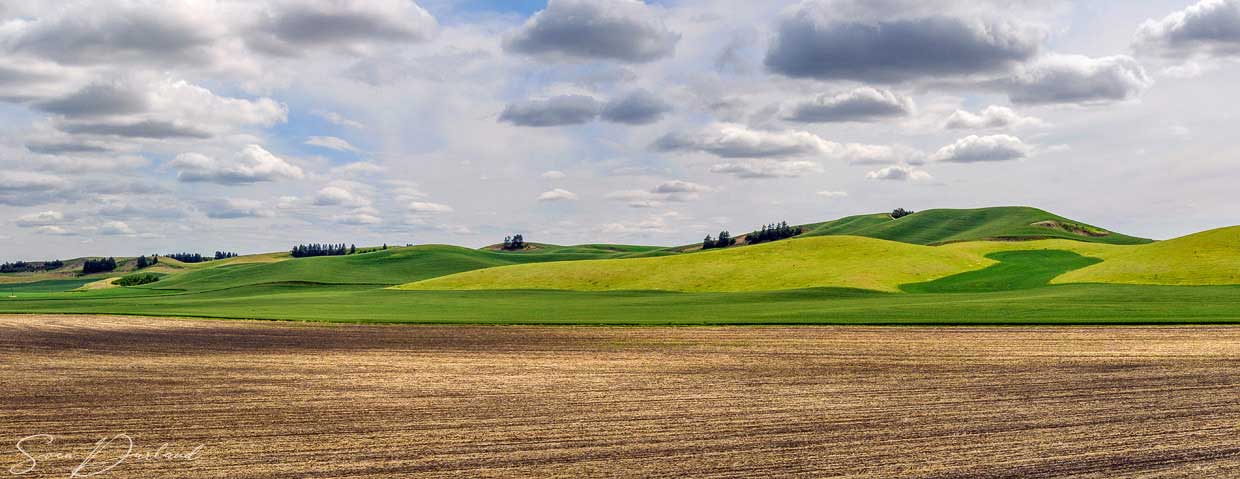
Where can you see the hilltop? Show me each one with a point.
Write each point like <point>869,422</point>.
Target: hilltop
<point>939,226</point>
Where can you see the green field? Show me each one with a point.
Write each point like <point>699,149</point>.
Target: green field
<point>824,277</point>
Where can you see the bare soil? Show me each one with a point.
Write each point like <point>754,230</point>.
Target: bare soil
<point>324,401</point>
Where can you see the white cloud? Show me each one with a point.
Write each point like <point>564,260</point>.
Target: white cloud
<point>41,218</point>
<point>339,196</point>
<point>235,208</point>
<point>252,165</point>
<point>428,207</point>
<point>619,30</point>
<point>332,143</point>
<point>832,194</point>
<point>899,173</point>
<point>55,230</point>
<point>865,104</point>
<point>115,228</point>
<point>557,194</point>
<point>993,117</point>
<point>1078,79</point>
<point>763,168</point>
<point>975,149</point>
<point>737,141</point>
<point>553,175</point>
<point>1206,28</point>
<point>337,119</point>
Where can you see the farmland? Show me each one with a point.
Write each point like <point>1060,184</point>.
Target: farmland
<point>280,400</point>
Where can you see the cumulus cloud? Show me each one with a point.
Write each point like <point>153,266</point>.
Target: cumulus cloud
<point>56,230</point>
<point>553,175</point>
<point>1078,79</point>
<point>555,111</point>
<point>736,141</point>
<point>235,208</point>
<point>618,30</point>
<point>976,149</point>
<point>114,228</point>
<point>252,165</point>
<point>668,191</point>
<point>159,108</point>
<point>767,168</point>
<point>23,188</point>
<point>862,104</point>
<point>332,143</point>
<point>98,99</point>
<point>638,107</point>
<point>655,223</point>
<point>287,28</point>
<point>808,44</point>
<point>339,195</point>
<point>862,154</point>
<point>357,218</point>
<point>122,32</point>
<point>42,218</point>
<point>428,207</point>
<point>993,117</point>
<point>557,194</point>
<point>150,129</point>
<point>899,173</point>
<point>1207,28</point>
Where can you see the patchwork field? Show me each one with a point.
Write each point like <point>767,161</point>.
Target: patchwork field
<point>296,400</point>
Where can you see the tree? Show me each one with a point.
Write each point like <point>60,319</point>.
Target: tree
<point>900,213</point>
<point>513,243</point>
<point>708,243</point>
<point>352,249</point>
<point>142,262</point>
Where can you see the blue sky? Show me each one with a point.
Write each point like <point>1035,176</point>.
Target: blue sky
<point>197,125</point>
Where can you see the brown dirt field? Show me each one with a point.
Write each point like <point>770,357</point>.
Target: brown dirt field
<point>296,400</point>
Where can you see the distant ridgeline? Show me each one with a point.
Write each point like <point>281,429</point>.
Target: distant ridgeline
<point>30,267</point>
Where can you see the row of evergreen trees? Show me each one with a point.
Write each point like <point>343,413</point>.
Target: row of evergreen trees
<point>143,262</point>
<point>188,257</point>
<point>100,265</point>
<point>225,255</point>
<point>30,267</point>
<point>725,240</point>
<point>514,243</point>
<point>772,232</point>
<point>308,250</point>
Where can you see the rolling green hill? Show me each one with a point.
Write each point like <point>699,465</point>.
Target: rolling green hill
<point>385,267</point>
<point>938,226</point>
<point>1206,258</point>
<point>828,261</point>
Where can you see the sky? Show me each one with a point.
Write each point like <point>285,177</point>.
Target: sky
<point>143,126</point>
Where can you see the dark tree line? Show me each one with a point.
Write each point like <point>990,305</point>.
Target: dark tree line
<point>900,213</point>
<point>143,262</point>
<point>30,267</point>
<point>100,265</point>
<point>225,255</point>
<point>724,240</point>
<point>316,249</point>
<point>773,232</point>
<point>188,257</point>
<point>514,243</point>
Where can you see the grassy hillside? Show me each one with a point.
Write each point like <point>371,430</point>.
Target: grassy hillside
<point>385,267</point>
<point>1206,258</point>
<point>1016,270</point>
<point>940,226</point>
<point>829,261</point>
